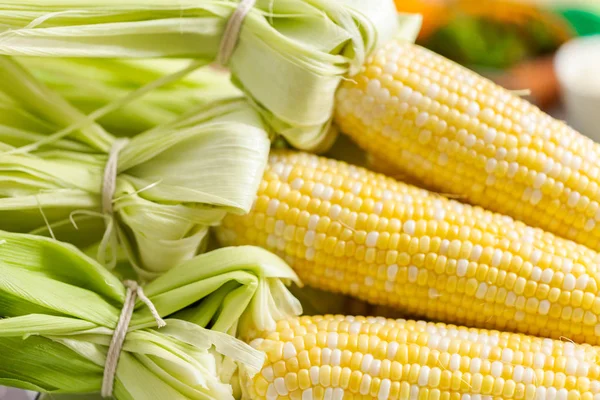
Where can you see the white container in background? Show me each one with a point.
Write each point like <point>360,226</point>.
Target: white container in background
<point>577,67</point>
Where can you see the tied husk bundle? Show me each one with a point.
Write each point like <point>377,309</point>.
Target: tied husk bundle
<point>59,309</point>
<point>290,56</point>
<point>173,182</point>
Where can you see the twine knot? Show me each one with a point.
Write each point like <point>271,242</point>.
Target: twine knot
<point>109,186</point>
<point>109,182</point>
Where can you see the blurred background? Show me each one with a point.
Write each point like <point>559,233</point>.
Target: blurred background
<point>515,43</point>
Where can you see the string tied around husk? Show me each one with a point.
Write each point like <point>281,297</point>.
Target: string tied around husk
<point>232,31</point>
<point>109,186</point>
<point>134,291</point>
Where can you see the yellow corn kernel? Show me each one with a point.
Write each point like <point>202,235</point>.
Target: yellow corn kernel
<point>453,131</point>
<point>498,365</point>
<point>449,261</point>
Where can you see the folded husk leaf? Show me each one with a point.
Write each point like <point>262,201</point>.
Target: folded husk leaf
<point>174,181</point>
<point>90,84</point>
<point>290,56</point>
<point>58,309</point>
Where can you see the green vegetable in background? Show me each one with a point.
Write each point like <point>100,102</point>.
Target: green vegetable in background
<point>483,42</point>
<point>584,22</point>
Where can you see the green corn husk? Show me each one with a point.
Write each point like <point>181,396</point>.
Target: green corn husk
<point>174,181</point>
<point>290,57</point>
<point>90,84</point>
<point>58,309</point>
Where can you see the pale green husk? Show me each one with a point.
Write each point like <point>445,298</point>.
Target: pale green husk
<point>174,182</point>
<point>59,308</point>
<point>290,57</point>
<point>90,84</point>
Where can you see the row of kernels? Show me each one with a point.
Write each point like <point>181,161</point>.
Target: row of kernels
<point>381,241</point>
<point>371,215</point>
<point>442,371</point>
<point>576,299</point>
<point>421,334</point>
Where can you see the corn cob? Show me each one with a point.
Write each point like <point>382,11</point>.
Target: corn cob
<point>348,230</point>
<point>337,357</point>
<point>459,133</point>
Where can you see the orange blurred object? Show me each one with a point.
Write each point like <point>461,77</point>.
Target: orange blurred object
<point>434,13</point>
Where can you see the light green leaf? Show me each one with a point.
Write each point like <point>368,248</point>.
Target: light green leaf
<point>41,324</point>
<point>410,26</point>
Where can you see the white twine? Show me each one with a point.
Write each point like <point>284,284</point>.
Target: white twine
<point>232,30</point>
<point>116,343</point>
<point>109,185</point>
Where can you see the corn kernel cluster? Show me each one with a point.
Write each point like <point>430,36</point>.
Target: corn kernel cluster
<point>337,357</point>
<point>348,230</point>
<point>459,133</point>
